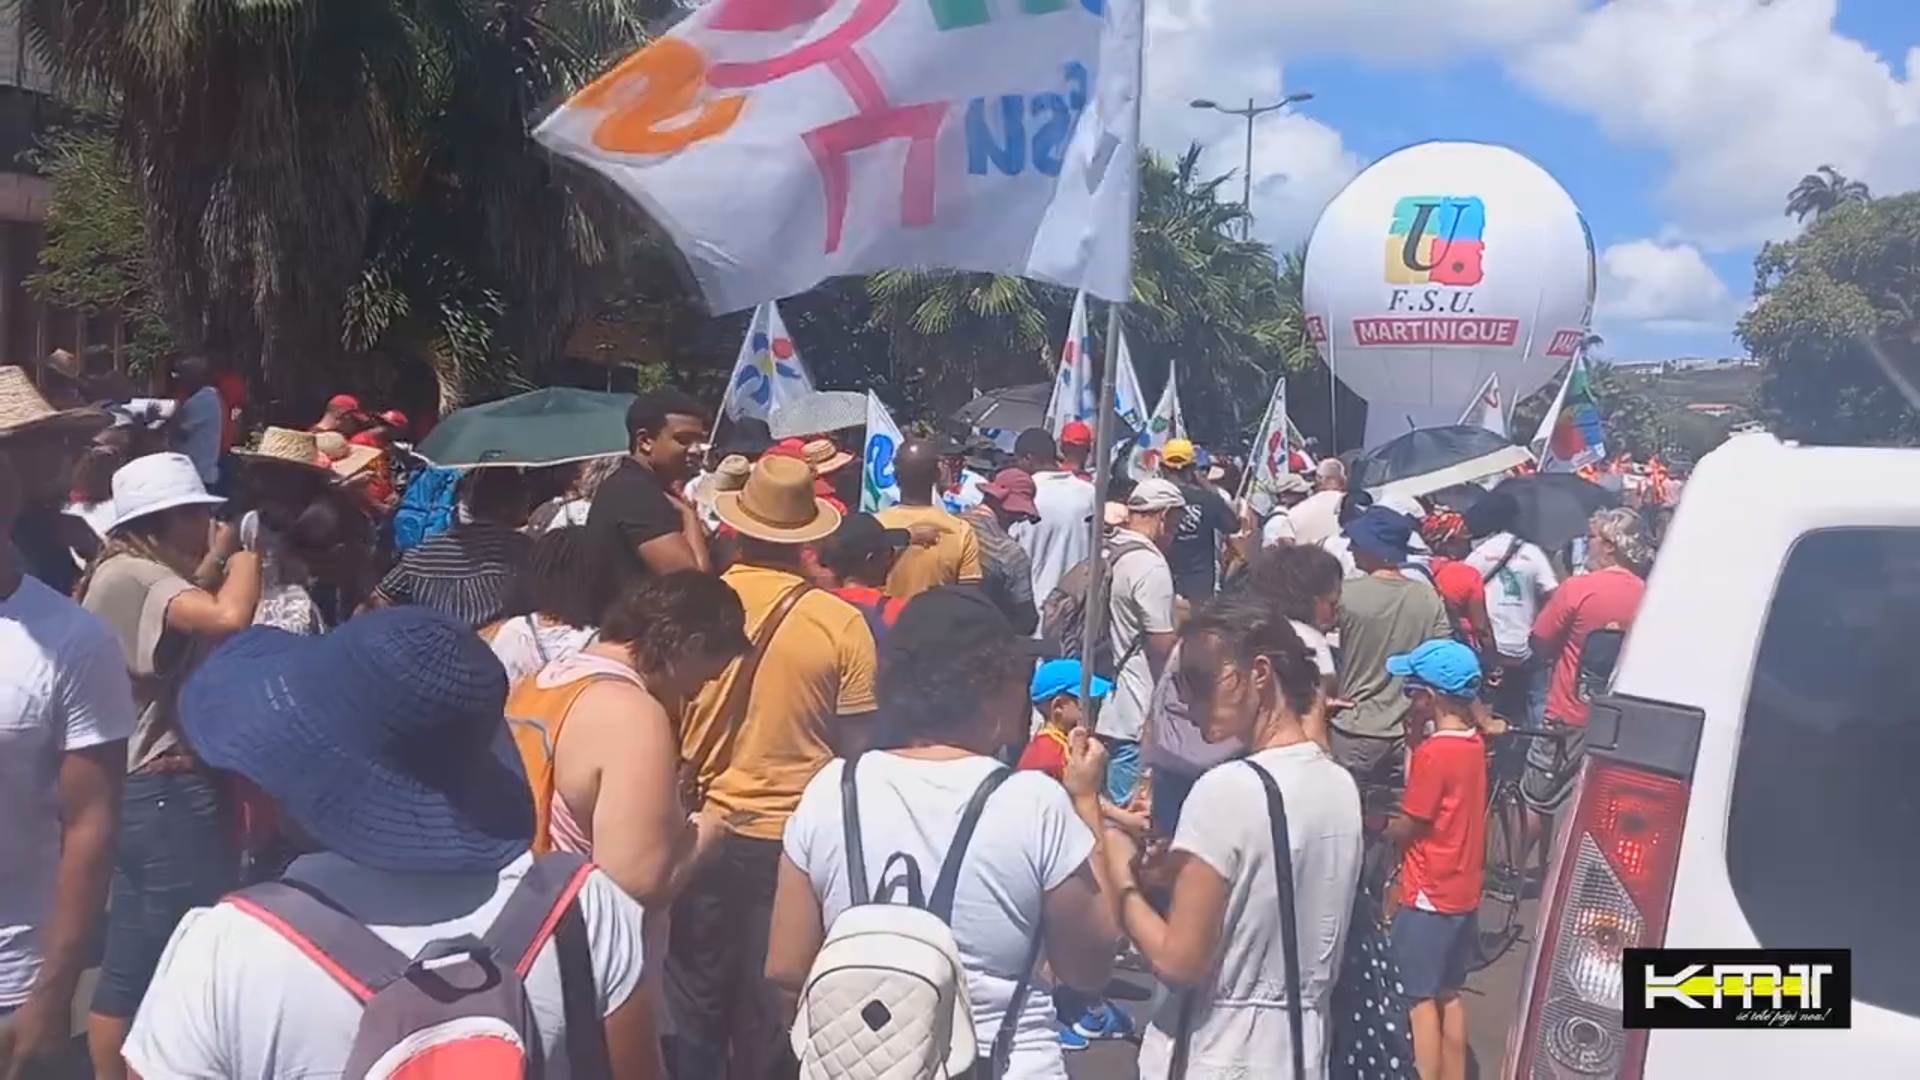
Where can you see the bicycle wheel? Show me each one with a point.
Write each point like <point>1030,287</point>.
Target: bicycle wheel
<point>1505,875</point>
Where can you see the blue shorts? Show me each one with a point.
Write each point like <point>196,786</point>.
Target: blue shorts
<point>174,853</point>
<point>1123,768</point>
<point>1433,951</point>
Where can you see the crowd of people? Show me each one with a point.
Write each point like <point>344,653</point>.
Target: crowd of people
<point>266,755</point>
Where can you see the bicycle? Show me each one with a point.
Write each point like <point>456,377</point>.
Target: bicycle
<point>1506,873</point>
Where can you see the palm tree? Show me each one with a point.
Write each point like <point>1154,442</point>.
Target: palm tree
<point>961,332</point>
<point>1821,191</point>
<point>321,182</point>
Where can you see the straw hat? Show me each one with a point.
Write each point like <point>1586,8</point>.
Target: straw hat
<point>731,474</point>
<point>825,457</point>
<point>325,452</point>
<point>778,505</point>
<point>24,411</point>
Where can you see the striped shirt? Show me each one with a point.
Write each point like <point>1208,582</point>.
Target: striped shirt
<point>1006,571</point>
<point>463,573</point>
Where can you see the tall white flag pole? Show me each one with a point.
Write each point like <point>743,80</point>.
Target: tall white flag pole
<point>1094,621</point>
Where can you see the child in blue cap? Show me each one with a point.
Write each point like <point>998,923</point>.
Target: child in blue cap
<point>1441,831</point>
<point>1055,691</point>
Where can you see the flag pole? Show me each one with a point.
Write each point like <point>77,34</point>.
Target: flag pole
<point>1094,621</point>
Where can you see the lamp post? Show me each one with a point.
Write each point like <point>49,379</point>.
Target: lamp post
<point>1251,112</point>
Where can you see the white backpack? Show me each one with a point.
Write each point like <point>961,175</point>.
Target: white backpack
<point>886,998</point>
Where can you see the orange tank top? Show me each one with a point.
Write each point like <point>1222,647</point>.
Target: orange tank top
<point>537,710</point>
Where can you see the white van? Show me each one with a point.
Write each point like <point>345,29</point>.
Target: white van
<point>1753,778</point>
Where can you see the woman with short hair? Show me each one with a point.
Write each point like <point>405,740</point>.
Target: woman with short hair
<point>554,604</point>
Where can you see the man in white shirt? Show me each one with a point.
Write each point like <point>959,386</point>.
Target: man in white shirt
<point>1061,537</point>
<point>66,712</point>
<point>1519,579</point>
<point>1288,492</point>
<point>1317,518</point>
<point>196,425</point>
<point>1141,622</point>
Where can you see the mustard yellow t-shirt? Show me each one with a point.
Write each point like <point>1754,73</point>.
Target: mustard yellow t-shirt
<point>954,559</point>
<point>818,667</point>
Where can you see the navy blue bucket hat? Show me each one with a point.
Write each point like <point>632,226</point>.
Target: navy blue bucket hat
<point>385,741</point>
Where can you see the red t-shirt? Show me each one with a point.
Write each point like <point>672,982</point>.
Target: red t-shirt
<point>1603,600</point>
<point>1447,788</point>
<point>1047,753</point>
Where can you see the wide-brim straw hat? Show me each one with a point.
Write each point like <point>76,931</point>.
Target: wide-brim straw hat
<point>825,457</point>
<point>778,504</point>
<point>25,411</point>
<point>325,453</point>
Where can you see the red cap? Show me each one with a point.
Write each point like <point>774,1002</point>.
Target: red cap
<point>793,448</point>
<point>394,418</point>
<point>343,403</point>
<point>1076,433</point>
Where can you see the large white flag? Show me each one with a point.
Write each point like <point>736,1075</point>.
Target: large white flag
<point>1164,423</point>
<point>780,143</point>
<point>1129,402</point>
<point>1074,386</point>
<point>879,488</point>
<point>1486,411</point>
<point>1267,461</point>
<point>768,372</point>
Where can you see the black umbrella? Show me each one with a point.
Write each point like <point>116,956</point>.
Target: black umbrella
<point>1459,498</point>
<point>1554,507</point>
<point>1428,459</point>
<point>1017,408</point>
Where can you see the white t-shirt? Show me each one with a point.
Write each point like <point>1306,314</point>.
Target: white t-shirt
<point>1516,594</point>
<point>1177,744</point>
<point>528,643</point>
<point>197,430</point>
<point>1242,1030</point>
<point>1278,529</point>
<point>1062,537</point>
<point>233,999</point>
<point>63,687</point>
<point>1029,842</point>
<point>1317,517</point>
<point>1141,602</point>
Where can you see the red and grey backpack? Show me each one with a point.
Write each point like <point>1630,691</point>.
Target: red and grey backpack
<point>459,1009</point>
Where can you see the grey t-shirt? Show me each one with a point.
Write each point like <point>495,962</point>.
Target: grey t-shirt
<point>131,595</point>
<point>1382,617</point>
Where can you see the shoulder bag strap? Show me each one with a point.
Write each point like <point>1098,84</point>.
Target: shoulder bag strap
<point>338,943</point>
<point>1512,550</point>
<point>539,647</point>
<point>733,708</point>
<point>588,1057</point>
<point>1010,1023</point>
<point>857,893</point>
<point>1289,928</point>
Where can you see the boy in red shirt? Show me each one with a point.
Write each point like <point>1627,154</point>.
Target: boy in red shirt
<point>1441,831</point>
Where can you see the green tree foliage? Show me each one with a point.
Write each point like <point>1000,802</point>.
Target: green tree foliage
<point>1836,320</point>
<point>324,181</point>
<point>1218,304</point>
<point>1823,190</point>
<point>95,256</point>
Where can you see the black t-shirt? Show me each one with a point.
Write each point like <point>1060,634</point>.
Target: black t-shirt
<point>630,508</point>
<point>1195,555</point>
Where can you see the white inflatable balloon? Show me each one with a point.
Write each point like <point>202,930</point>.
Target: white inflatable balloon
<point>1441,265</point>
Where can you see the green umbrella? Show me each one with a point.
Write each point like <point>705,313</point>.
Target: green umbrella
<point>542,427</point>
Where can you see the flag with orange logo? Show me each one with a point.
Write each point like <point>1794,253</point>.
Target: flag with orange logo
<point>779,143</point>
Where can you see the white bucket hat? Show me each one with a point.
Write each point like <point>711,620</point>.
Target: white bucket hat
<point>156,482</point>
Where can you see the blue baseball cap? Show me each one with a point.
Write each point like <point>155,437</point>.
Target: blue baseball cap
<point>1382,533</point>
<point>1443,664</point>
<point>1056,677</point>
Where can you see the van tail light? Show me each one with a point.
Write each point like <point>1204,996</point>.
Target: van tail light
<point>1611,891</point>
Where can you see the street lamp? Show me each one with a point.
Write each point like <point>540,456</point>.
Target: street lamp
<point>1251,112</point>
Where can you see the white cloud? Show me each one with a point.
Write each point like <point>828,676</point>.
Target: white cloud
<point>1743,96</point>
<point>1665,286</point>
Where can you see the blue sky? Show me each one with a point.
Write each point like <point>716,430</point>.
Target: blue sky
<point>1677,125</point>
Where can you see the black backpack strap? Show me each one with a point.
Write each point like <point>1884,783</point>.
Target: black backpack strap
<point>907,881</point>
<point>587,1055</point>
<point>1512,550</point>
<point>1010,1023</point>
<point>337,942</point>
<point>857,893</point>
<point>941,902</point>
<point>534,911</point>
<point>1289,928</point>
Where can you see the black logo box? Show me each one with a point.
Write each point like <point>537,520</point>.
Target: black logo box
<point>1836,990</point>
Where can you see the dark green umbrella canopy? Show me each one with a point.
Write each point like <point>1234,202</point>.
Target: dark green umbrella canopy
<point>542,427</point>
